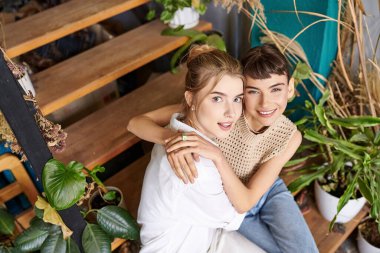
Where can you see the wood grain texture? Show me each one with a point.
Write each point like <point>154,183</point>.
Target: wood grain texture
<point>23,184</point>
<point>329,242</point>
<point>93,69</point>
<point>57,22</point>
<point>103,134</point>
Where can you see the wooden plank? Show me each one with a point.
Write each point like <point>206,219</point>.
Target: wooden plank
<point>9,192</point>
<point>103,134</point>
<point>116,243</point>
<point>84,73</point>
<point>330,242</point>
<point>57,22</point>
<point>23,181</point>
<point>25,217</point>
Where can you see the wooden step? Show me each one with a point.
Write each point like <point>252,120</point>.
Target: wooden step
<point>103,134</point>
<point>329,242</point>
<point>57,22</point>
<point>92,69</point>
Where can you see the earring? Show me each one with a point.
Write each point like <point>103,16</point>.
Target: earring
<point>192,108</point>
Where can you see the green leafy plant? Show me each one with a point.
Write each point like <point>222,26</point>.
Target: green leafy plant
<point>343,154</point>
<point>65,186</point>
<point>171,6</point>
<point>212,39</point>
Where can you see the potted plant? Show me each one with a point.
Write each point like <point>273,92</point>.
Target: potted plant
<point>369,236</point>
<point>65,186</point>
<point>343,159</point>
<point>180,13</point>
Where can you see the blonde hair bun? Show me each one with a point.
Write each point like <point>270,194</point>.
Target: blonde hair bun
<point>197,50</point>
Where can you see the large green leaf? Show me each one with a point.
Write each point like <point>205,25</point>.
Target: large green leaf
<point>321,115</point>
<point>40,224</point>
<point>54,244</point>
<point>356,121</point>
<point>31,239</point>
<point>305,180</point>
<point>364,190</point>
<point>360,137</point>
<point>341,145</point>
<point>94,239</point>
<point>216,41</point>
<point>180,32</point>
<point>63,185</point>
<point>117,222</point>
<point>4,249</point>
<point>72,246</point>
<point>324,98</point>
<point>301,71</point>
<point>300,160</point>
<point>197,38</point>
<point>7,222</point>
<point>376,140</point>
<point>343,200</point>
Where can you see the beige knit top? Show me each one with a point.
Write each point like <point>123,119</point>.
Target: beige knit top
<point>245,150</point>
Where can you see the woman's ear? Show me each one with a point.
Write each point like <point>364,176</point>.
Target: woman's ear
<point>189,98</point>
<point>291,88</point>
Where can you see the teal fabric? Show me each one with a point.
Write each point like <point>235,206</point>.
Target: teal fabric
<point>319,41</point>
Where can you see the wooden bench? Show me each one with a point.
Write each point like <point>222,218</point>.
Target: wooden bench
<point>23,184</point>
<point>57,22</point>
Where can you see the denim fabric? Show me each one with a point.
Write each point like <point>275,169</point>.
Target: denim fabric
<point>276,224</point>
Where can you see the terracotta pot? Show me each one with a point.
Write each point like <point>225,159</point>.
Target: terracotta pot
<point>364,246</point>
<point>188,17</point>
<point>327,205</point>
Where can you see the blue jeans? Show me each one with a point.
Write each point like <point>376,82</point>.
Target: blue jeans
<point>276,224</point>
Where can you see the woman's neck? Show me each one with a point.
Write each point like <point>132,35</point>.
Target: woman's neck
<point>249,120</point>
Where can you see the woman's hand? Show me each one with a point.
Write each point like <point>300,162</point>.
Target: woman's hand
<point>183,147</point>
<point>182,165</point>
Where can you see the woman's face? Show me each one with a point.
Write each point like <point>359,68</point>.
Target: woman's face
<point>216,111</point>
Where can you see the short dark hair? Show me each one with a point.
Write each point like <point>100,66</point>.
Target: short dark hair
<point>262,61</point>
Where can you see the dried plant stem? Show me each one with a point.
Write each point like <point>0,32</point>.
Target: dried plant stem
<point>340,57</point>
<point>361,56</point>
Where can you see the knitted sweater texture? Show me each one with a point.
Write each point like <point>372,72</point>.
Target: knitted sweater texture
<point>246,151</point>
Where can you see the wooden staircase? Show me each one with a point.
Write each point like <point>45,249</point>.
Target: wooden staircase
<point>102,135</point>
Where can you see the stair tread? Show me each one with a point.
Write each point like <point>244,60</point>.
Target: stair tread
<point>102,135</point>
<point>130,180</point>
<point>92,69</point>
<point>330,242</point>
<point>57,22</point>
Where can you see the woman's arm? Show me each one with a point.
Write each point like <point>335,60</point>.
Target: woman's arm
<point>150,126</point>
<point>241,196</point>
<point>245,197</point>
